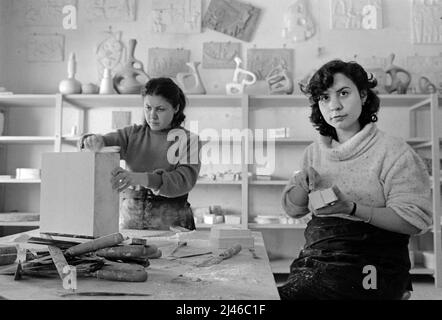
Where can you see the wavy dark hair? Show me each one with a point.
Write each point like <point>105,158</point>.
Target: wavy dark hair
<point>323,79</point>
<point>171,92</point>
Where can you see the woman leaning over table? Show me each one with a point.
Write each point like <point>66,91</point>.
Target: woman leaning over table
<point>383,193</point>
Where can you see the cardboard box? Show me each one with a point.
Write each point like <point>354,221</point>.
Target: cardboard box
<point>76,194</point>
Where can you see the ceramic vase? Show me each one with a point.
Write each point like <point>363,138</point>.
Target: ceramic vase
<point>70,85</point>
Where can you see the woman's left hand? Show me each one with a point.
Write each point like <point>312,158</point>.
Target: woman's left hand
<point>339,209</point>
<point>123,179</point>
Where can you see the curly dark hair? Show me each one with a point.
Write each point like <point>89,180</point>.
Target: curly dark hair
<point>171,92</point>
<point>323,79</point>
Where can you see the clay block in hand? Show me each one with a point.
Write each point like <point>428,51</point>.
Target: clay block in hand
<point>322,198</point>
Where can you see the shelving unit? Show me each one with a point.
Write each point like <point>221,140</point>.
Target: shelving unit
<point>253,112</point>
<point>432,103</point>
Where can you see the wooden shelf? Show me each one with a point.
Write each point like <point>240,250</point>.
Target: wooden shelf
<point>268,182</point>
<point>28,100</point>
<point>387,100</point>
<point>217,182</point>
<point>277,226</point>
<point>26,140</point>
<point>20,224</point>
<point>89,101</point>
<point>19,219</point>
<point>209,226</point>
<point>20,181</point>
<point>421,270</point>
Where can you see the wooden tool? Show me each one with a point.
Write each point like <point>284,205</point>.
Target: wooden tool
<point>222,256</point>
<point>180,244</point>
<point>59,260</point>
<point>102,242</point>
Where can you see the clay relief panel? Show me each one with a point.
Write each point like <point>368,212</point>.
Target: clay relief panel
<point>176,16</point>
<point>108,10</point>
<point>232,17</point>
<point>356,14</point>
<point>262,61</point>
<point>298,22</point>
<point>164,62</point>
<point>45,48</point>
<point>46,12</point>
<point>426,22</point>
<point>220,55</point>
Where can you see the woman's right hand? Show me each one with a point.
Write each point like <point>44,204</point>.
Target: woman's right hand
<point>307,178</point>
<point>92,142</point>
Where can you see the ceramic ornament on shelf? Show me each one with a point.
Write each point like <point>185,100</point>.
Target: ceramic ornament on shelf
<point>194,87</point>
<point>70,85</point>
<point>107,84</point>
<point>398,83</point>
<point>90,88</point>
<point>237,87</point>
<point>298,22</point>
<point>279,81</point>
<point>131,78</point>
<point>425,86</point>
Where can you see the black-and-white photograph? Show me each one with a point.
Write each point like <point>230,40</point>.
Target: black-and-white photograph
<point>222,155</point>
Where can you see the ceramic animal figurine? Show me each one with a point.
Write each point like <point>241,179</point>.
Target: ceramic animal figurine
<point>126,81</point>
<point>397,84</point>
<point>198,87</point>
<point>107,85</point>
<point>279,81</point>
<point>426,86</point>
<point>299,25</point>
<point>236,87</point>
<point>70,85</point>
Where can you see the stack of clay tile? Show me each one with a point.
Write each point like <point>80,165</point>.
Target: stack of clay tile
<point>227,236</point>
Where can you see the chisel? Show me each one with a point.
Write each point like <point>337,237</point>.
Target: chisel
<point>222,256</point>
<point>102,242</point>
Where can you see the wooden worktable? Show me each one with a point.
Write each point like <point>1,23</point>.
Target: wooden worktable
<point>242,277</point>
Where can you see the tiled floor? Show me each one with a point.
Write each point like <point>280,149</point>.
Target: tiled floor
<point>423,287</point>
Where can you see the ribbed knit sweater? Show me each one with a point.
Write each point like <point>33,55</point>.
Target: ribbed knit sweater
<point>371,169</point>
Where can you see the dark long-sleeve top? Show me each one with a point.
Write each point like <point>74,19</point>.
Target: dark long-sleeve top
<point>169,157</point>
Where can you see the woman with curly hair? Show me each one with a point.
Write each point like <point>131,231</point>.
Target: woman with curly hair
<point>356,247</point>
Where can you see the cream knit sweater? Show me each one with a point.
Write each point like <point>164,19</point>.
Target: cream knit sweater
<point>371,169</point>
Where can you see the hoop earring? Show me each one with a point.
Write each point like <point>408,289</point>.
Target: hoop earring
<point>374,117</point>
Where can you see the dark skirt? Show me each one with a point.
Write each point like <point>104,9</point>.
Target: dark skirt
<point>140,209</point>
<point>343,259</point>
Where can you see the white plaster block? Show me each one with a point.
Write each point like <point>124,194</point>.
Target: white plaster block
<point>76,194</point>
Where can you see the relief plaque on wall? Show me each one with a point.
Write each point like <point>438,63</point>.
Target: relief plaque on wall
<point>262,61</point>
<point>232,17</point>
<point>165,62</point>
<point>356,14</point>
<point>176,16</point>
<point>426,22</point>
<point>220,55</point>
